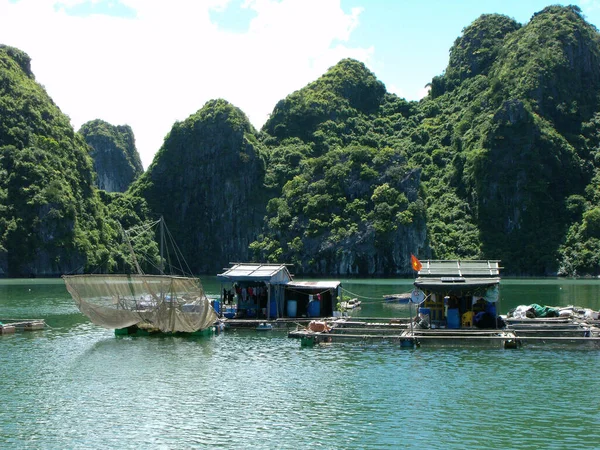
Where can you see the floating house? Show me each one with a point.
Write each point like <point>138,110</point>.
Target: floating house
<point>313,298</point>
<point>458,307</point>
<point>460,294</point>
<point>268,291</point>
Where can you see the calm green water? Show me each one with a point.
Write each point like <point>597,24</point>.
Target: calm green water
<point>78,386</point>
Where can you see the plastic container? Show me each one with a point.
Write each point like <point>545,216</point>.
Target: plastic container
<point>453,318</point>
<point>292,308</point>
<point>273,309</point>
<point>217,306</point>
<point>468,319</point>
<point>425,312</point>
<point>314,308</point>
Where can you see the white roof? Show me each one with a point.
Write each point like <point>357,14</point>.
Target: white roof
<point>272,273</point>
<point>460,268</point>
<point>314,284</point>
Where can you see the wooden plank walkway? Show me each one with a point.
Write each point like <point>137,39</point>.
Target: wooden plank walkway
<point>276,323</point>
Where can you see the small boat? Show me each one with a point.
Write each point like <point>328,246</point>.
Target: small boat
<point>402,299</point>
<point>350,304</point>
<point>229,313</point>
<point>264,326</point>
<point>9,326</point>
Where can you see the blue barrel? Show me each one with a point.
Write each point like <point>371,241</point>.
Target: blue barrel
<point>453,318</point>
<point>217,306</point>
<point>273,309</point>
<point>314,308</point>
<point>292,307</point>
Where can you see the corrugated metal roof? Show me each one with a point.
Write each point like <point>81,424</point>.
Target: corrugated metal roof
<point>459,268</point>
<point>314,284</point>
<point>443,284</point>
<point>272,273</point>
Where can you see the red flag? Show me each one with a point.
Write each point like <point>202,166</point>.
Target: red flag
<point>416,264</point>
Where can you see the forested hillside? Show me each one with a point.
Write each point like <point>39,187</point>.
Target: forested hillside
<point>207,180</point>
<point>345,200</point>
<point>501,161</point>
<point>518,153</point>
<point>505,145</point>
<point>51,218</point>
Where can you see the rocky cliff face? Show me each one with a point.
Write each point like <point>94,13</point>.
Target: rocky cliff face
<point>116,160</point>
<point>207,181</point>
<point>366,252</point>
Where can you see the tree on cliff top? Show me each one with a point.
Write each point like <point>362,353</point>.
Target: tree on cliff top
<point>343,91</point>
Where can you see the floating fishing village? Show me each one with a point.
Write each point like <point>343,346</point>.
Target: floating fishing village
<point>453,303</point>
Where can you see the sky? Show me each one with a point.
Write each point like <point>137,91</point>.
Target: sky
<point>150,63</point>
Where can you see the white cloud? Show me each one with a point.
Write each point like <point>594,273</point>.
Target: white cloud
<point>589,5</point>
<point>166,63</point>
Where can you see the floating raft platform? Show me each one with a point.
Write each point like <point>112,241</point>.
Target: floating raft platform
<point>275,323</point>
<point>144,329</point>
<point>11,326</point>
<point>399,331</point>
<point>408,338</point>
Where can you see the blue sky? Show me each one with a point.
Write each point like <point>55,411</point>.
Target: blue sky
<point>149,63</point>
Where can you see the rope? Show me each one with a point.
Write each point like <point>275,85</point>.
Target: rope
<point>304,292</point>
<point>359,296</point>
<point>379,299</point>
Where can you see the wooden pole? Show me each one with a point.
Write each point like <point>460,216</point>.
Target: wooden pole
<point>268,300</point>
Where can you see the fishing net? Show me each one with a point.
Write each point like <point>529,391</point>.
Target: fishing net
<point>166,303</point>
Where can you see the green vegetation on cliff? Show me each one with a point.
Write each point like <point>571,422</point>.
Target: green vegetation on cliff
<point>516,149</point>
<point>116,160</point>
<point>51,219</point>
<point>501,160</point>
<point>344,198</point>
<point>207,181</point>
<point>505,145</point>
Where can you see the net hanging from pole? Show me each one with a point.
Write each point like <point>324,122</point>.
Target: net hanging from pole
<point>167,303</point>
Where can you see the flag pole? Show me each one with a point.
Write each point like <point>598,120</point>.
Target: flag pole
<point>416,266</point>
